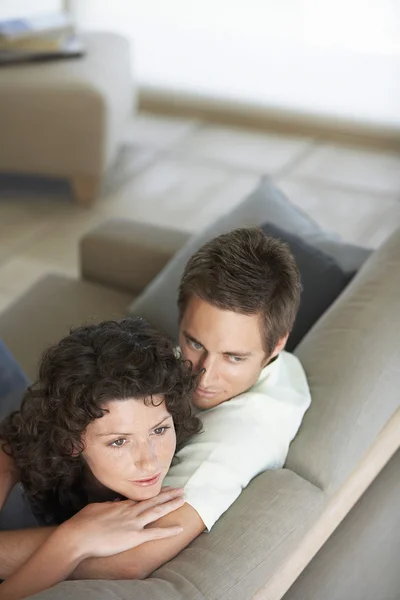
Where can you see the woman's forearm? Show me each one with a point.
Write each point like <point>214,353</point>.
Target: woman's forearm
<point>56,558</point>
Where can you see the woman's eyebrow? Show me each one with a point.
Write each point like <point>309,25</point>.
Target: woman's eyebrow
<point>161,422</point>
<point>126,434</point>
<point>112,433</point>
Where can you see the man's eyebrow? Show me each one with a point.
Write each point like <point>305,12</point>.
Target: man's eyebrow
<point>239,354</point>
<point>192,338</point>
<point>127,434</point>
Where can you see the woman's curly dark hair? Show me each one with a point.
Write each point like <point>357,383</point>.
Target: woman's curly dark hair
<point>94,364</point>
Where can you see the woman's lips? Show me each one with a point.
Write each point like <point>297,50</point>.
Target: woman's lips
<point>147,482</point>
<point>205,393</point>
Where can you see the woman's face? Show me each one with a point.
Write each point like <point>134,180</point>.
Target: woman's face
<point>129,449</point>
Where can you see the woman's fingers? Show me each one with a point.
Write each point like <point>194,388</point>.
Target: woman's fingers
<point>158,533</point>
<point>162,498</point>
<point>160,510</point>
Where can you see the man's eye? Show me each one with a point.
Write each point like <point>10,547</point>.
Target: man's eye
<point>195,345</point>
<point>161,430</point>
<point>118,443</point>
<point>236,359</point>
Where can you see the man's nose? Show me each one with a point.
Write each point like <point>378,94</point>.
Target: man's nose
<point>144,458</point>
<point>210,371</point>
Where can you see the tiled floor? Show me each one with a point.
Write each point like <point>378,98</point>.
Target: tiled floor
<point>184,174</point>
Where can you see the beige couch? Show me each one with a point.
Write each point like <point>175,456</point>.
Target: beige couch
<point>66,118</point>
<point>284,537</point>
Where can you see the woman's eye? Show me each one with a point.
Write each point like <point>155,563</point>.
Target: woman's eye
<point>161,430</point>
<point>118,443</point>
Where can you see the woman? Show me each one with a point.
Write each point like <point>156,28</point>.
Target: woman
<point>102,423</point>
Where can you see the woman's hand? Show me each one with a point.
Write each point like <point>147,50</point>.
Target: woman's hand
<point>107,528</point>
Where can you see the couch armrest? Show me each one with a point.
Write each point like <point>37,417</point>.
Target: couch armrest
<point>128,255</point>
<point>246,550</point>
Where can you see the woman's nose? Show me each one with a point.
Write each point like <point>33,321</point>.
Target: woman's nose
<point>145,459</point>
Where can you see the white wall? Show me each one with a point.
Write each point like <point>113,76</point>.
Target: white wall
<point>19,8</point>
<point>328,57</point>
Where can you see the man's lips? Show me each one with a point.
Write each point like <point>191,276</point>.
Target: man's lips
<point>148,481</point>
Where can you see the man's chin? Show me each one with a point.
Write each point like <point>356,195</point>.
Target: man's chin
<point>204,403</point>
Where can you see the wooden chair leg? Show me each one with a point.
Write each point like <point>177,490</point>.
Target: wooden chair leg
<point>86,189</point>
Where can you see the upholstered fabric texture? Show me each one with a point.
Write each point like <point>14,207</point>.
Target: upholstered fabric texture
<point>352,360</point>
<point>48,311</point>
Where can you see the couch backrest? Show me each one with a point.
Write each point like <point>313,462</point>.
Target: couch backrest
<point>352,360</point>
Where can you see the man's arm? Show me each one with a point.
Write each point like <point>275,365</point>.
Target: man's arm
<point>141,561</point>
<point>17,546</point>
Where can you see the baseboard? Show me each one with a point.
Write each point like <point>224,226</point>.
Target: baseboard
<point>259,117</point>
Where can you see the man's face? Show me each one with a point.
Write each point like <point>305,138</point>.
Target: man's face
<point>129,449</point>
<point>228,345</point>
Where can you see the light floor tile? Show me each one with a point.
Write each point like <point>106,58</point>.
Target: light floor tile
<point>353,168</point>
<point>131,160</point>
<point>360,218</point>
<point>58,249</point>
<point>159,131</point>
<point>172,172</point>
<point>263,153</point>
<point>182,194</point>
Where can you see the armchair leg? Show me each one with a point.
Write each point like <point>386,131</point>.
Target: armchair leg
<point>86,189</point>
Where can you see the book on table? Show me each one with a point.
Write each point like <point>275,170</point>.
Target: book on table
<point>40,38</point>
<point>49,24</point>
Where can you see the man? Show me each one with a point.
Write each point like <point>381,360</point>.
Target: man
<point>238,299</point>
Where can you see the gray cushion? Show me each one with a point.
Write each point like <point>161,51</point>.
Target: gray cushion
<point>16,512</point>
<point>266,204</point>
<point>13,382</point>
<point>352,359</point>
<point>322,281</point>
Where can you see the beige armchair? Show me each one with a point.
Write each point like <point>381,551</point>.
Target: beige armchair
<point>65,118</point>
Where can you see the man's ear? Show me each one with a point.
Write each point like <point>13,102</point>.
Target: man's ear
<point>278,348</point>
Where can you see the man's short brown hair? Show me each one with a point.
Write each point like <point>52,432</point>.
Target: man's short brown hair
<point>249,273</point>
